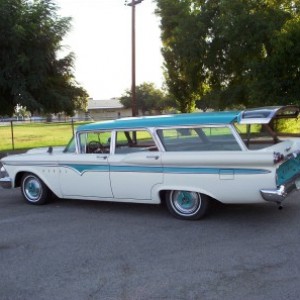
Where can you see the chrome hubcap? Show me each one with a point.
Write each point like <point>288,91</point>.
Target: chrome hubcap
<point>186,202</point>
<point>32,189</point>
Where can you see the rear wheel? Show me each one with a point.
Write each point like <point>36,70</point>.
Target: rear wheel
<point>33,189</point>
<point>187,205</point>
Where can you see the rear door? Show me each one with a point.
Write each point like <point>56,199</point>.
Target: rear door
<point>135,166</point>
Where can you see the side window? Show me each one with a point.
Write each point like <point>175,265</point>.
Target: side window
<point>256,136</point>
<point>95,142</point>
<point>221,135</point>
<point>198,139</point>
<point>134,141</point>
<point>181,139</point>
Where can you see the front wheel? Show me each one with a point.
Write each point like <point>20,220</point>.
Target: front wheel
<point>187,205</point>
<point>33,189</point>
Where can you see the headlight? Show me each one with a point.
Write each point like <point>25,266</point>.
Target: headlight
<point>3,172</point>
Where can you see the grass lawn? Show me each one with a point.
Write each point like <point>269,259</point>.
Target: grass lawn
<point>33,135</point>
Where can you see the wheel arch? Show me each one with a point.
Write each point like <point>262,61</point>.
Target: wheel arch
<point>164,193</point>
<point>18,178</point>
<point>20,174</point>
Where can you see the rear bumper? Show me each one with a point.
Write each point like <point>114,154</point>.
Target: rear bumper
<point>278,195</point>
<point>6,182</point>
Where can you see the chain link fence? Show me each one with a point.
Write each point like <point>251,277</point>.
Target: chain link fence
<point>20,135</point>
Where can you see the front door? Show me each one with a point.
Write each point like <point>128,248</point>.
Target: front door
<point>85,176</point>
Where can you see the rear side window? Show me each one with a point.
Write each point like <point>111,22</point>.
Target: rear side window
<point>198,139</point>
<point>134,141</point>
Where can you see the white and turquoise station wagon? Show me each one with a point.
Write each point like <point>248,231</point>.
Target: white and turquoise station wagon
<point>185,160</point>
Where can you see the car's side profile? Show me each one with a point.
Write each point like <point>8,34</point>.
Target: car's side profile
<point>185,160</point>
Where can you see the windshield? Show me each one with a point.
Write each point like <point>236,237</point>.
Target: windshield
<point>70,148</point>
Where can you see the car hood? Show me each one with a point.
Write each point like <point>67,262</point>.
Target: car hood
<point>43,150</point>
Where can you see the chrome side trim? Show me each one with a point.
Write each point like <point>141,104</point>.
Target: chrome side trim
<point>6,182</point>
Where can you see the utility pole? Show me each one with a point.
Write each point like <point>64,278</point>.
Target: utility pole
<point>133,3</point>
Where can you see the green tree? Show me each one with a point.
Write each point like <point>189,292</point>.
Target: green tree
<point>183,77</point>
<point>224,53</point>
<point>31,74</point>
<point>148,99</point>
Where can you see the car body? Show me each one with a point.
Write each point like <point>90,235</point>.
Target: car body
<point>185,160</point>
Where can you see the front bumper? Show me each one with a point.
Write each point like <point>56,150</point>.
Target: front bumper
<point>278,195</point>
<point>6,182</point>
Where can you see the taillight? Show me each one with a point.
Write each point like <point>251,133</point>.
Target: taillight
<point>278,157</point>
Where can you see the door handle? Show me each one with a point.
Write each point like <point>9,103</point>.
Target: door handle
<point>156,157</point>
<point>103,157</point>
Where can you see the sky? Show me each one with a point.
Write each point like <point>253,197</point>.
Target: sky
<point>100,38</point>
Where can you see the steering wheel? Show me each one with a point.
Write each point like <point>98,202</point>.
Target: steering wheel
<point>95,147</point>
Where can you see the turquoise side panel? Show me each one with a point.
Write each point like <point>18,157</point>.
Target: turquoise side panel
<point>82,168</point>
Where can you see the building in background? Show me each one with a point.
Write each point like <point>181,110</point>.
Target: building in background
<point>105,110</point>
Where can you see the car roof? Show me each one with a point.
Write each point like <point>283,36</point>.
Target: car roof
<point>261,115</point>
<point>187,119</point>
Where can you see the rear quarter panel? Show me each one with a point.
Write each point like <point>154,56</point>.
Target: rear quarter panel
<point>229,177</point>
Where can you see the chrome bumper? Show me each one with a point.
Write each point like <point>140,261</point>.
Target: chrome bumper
<point>278,195</point>
<point>6,182</point>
